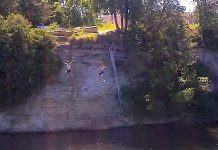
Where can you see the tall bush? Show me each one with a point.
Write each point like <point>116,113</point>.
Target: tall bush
<point>26,59</point>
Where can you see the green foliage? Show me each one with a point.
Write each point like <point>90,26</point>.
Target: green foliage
<point>194,34</point>
<point>206,106</point>
<point>208,18</point>
<point>8,6</point>
<point>137,101</point>
<point>26,59</point>
<point>76,13</point>
<point>201,69</point>
<point>85,36</point>
<point>168,60</point>
<point>36,11</point>
<point>204,84</point>
<point>58,14</point>
<point>205,100</point>
<point>171,69</point>
<point>53,27</point>
<point>185,95</point>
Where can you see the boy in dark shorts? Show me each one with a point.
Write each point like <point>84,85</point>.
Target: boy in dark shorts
<point>102,68</point>
<point>68,70</point>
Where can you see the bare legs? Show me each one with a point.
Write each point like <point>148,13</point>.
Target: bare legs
<point>99,77</point>
<point>69,73</point>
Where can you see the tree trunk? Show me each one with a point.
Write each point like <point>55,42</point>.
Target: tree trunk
<point>115,19</point>
<point>132,24</point>
<point>126,14</point>
<point>112,18</point>
<point>122,21</point>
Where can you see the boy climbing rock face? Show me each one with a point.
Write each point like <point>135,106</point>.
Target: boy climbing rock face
<point>68,69</point>
<point>101,68</point>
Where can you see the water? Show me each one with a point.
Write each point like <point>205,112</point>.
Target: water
<point>150,137</point>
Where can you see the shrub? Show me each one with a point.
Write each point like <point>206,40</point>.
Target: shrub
<point>206,105</point>
<point>136,100</point>
<point>210,37</point>
<point>53,27</point>
<point>185,95</point>
<point>26,59</point>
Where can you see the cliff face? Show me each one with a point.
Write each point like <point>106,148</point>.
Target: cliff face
<point>75,102</point>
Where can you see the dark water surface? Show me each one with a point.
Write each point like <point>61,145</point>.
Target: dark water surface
<point>150,137</point>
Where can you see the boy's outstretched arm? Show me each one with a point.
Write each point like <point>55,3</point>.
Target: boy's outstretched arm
<point>71,60</point>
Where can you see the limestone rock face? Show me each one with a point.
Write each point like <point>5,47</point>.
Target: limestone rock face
<point>75,102</point>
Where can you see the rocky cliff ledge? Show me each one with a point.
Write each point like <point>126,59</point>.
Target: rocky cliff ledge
<point>73,103</point>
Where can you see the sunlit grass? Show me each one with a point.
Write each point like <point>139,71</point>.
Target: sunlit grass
<point>81,35</point>
<point>193,26</point>
<point>107,27</point>
<point>85,36</point>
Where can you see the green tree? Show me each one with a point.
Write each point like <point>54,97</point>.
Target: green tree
<point>167,59</point>
<point>36,11</point>
<point>7,6</point>
<point>208,19</point>
<point>26,59</point>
